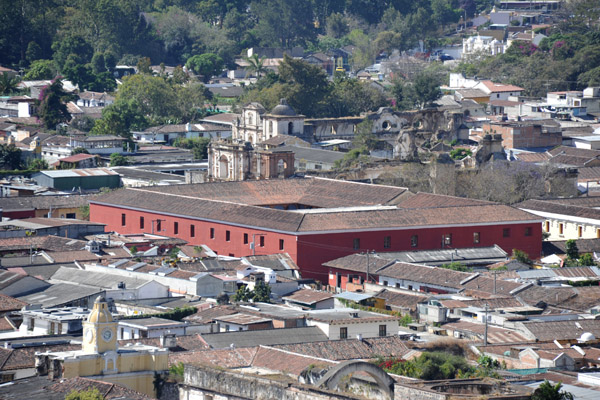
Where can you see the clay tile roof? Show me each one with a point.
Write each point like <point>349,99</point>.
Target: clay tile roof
<point>107,390</point>
<point>562,330</point>
<point>430,200</point>
<point>499,87</point>
<point>398,300</point>
<point>559,208</point>
<point>348,349</point>
<point>24,357</point>
<point>425,274</point>
<point>276,360</point>
<point>77,158</point>
<point>229,358</point>
<point>8,303</point>
<point>532,157</point>
<point>208,315</point>
<point>308,296</point>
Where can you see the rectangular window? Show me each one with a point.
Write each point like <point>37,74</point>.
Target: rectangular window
<point>212,233</point>
<point>528,231</point>
<point>159,225</point>
<point>560,229</point>
<point>123,220</point>
<point>122,333</point>
<point>414,241</point>
<point>227,236</point>
<point>579,231</point>
<point>547,229</point>
<point>447,239</point>
<point>343,333</point>
<point>387,242</point>
<point>71,216</point>
<point>356,243</point>
<point>176,228</point>
<point>31,325</point>
<point>262,241</point>
<point>506,232</point>
<point>382,330</point>
<point>245,238</point>
<point>192,230</point>
<point>141,222</point>
<point>475,237</point>
<point>281,244</point>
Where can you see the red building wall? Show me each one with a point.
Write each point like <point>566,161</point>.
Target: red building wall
<point>311,251</point>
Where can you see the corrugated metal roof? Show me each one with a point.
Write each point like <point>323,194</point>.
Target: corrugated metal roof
<point>352,296</point>
<point>70,173</point>
<point>537,273</point>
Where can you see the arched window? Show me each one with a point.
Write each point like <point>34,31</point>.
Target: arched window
<point>290,128</point>
<point>270,126</point>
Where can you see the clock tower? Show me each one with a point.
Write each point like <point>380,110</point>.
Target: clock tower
<point>100,330</point>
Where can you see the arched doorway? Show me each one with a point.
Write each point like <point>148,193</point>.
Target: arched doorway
<point>223,167</point>
<point>332,378</point>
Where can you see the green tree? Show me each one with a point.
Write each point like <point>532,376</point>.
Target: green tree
<point>38,164</point>
<point>120,118</point>
<point>40,70</point>
<point>117,160</point>
<point>207,65</point>
<point>460,153</point>
<point>337,25</point>
<point>426,88</point>
<point>152,94</point>
<point>79,150</point>
<point>199,146</point>
<point>255,65</point>
<point>10,156</point>
<point>587,260</point>
<point>84,211</point>
<point>571,249</point>
<point>547,391</point>
<point>90,394</point>
<point>456,266</point>
<point>352,97</point>
<point>8,83</point>
<point>363,136</point>
<point>283,23</point>
<point>521,256</point>
<point>243,294</point>
<point>262,292</point>
<point>53,109</point>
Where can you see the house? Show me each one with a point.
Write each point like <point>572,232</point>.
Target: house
<point>499,91</point>
<point>565,219</point>
<point>309,298</point>
<point>62,295</point>
<point>94,99</point>
<point>151,327</point>
<point>78,161</point>
<point>43,206</point>
<point>526,134</point>
<point>53,321</point>
<point>311,159</point>
<point>322,60</point>
<point>489,45</point>
<point>57,146</point>
<point>344,323</point>
<point>78,179</point>
<point>307,212</point>
<point>476,95</point>
<point>242,322</point>
<point>70,228</point>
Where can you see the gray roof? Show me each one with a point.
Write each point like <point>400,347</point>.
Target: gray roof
<point>42,202</point>
<point>96,279</point>
<point>473,255</point>
<point>85,172</point>
<point>353,296</point>
<point>59,294</point>
<point>152,322</point>
<point>307,334</point>
<point>142,174</point>
<point>311,154</point>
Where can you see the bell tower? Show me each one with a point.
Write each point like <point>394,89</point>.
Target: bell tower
<point>100,330</point>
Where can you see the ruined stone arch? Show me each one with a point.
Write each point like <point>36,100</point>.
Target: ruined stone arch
<point>332,378</point>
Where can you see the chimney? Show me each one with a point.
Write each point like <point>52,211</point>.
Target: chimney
<point>168,341</point>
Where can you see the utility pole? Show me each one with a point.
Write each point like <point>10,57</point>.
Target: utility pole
<point>485,339</point>
<point>253,244</point>
<point>367,265</point>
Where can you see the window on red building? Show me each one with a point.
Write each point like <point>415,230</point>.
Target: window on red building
<point>227,236</point>
<point>414,241</point>
<point>281,244</point>
<point>528,231</point>
<point>123,220</point>
<point>212,233</point>
<point>141,222</point>
<point>262,241</point>
<point>192,230</point>
<point>506,232</point>
<point>387,242</point>
<point>159,225</point>
<point>447,239</point>
<point>176,228</point>
<point>475,237</point>
<point>356,243</point>
<point>245,238</point>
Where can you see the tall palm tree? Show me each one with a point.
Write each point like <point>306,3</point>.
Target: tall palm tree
<point>255,65</point>
<point>8,83</point>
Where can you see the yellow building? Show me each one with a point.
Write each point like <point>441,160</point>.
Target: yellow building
<point>132,366</point>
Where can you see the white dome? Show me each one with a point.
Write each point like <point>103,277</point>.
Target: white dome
<point>587,337</point>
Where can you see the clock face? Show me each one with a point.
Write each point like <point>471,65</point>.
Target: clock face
<point>89,335</point>
<point>107,334</point>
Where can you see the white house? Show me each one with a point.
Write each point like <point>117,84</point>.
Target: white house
<point>53,321</point>
<point>149,328</point>
<point>345,323</point>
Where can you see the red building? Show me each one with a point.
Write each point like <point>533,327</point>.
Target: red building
<point>315,220</point>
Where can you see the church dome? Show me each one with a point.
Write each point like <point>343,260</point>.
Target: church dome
<point>283,109</point>
<point>100,313</point>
